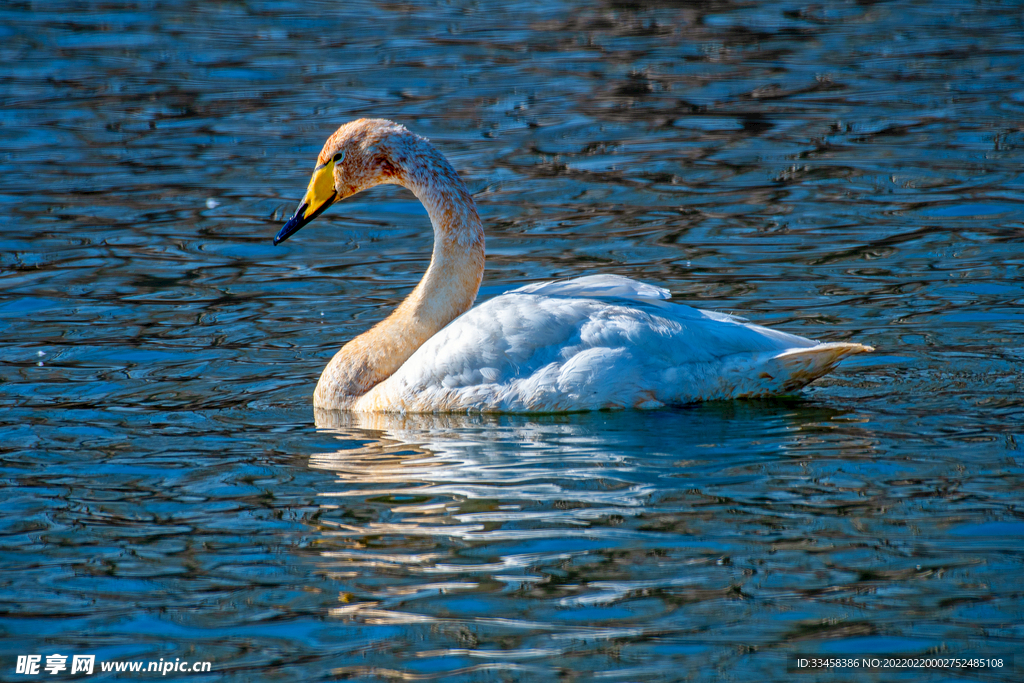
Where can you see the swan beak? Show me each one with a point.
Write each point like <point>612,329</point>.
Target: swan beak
<point>320,195</point>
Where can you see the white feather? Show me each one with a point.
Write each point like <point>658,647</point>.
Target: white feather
<point>598,342</point>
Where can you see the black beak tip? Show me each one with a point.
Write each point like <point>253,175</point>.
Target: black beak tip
<point>292,226</point>
<point>300,218</point>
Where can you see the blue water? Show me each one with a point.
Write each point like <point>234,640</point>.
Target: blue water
<point>843,171</point>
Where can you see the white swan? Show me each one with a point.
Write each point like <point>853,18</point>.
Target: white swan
<point>596,342</point>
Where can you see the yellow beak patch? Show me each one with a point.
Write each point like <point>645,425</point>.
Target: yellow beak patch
<point>321,188</point>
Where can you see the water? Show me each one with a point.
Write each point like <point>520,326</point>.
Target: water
<point>845,171</point>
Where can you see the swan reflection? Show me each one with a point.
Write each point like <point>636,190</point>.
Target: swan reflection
<point>452,519</point>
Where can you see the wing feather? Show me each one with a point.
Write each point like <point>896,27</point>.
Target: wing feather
<point>595,342</point>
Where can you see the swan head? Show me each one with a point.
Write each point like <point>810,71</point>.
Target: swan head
<point>359,155</point>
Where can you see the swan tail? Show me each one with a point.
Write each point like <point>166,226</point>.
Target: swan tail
<point>794,369</point>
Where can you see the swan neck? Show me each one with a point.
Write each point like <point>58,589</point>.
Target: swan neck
<point>446,291</point>
<point>452,280</point>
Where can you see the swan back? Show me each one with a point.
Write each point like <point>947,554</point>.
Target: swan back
<point>605,285</point>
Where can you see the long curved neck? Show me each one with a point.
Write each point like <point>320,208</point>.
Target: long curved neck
<point>447,289</point>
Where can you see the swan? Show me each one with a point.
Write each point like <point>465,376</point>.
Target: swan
<point>589,343</point>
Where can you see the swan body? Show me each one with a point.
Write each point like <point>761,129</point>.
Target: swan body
<point>596,342</point>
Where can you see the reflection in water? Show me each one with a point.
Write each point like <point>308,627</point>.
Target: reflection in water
<point>609,538</point>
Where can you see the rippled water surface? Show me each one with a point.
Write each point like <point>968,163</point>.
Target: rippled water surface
<point>841,170</point>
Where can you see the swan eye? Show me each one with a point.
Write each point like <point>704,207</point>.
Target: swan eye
<point>338,157</point>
